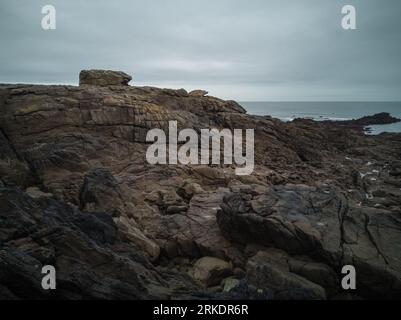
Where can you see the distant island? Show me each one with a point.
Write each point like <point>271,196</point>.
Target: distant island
<point>362,124</point>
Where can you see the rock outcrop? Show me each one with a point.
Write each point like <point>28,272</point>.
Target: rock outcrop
<point>198,93</point>
<point>321,223</point>
<point>104,78</point>
<point>77,192</point>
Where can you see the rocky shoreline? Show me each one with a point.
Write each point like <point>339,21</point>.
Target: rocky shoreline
<point>76,192</point>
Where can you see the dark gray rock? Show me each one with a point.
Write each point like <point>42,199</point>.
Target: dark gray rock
<point>265,273</point>
<point>100,191</point>
<point>323,224</point>
<point>90,260</point>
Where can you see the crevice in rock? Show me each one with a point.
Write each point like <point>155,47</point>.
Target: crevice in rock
<point>372,239</point>
<point>11,145</point>
<point>341,214</point>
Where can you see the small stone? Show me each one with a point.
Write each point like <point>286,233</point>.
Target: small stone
<point>36,193</point>
<point>176,209</point>
<point>190,189</point>
<point>229,284</point>
<point>210,271</point>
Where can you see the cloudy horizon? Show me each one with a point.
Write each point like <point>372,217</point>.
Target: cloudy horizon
<point>255,50</point>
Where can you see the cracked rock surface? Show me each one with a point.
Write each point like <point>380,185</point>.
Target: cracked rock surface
<point>321,223</point>
<point>77,192</point>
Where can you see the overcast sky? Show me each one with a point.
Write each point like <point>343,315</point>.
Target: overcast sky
<point>248,50</point>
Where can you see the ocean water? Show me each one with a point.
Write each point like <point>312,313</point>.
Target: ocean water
<point>288,111</point>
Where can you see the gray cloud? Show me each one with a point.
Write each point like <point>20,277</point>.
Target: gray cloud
<point>237,49</point>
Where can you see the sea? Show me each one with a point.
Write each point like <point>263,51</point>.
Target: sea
<point>288,111</point>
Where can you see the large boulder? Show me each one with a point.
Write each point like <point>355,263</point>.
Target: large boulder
<point>195,233</point>
<point>322,223</point>
<point>265,273</point>
<point>104,78</point>
<point>198,93</point>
